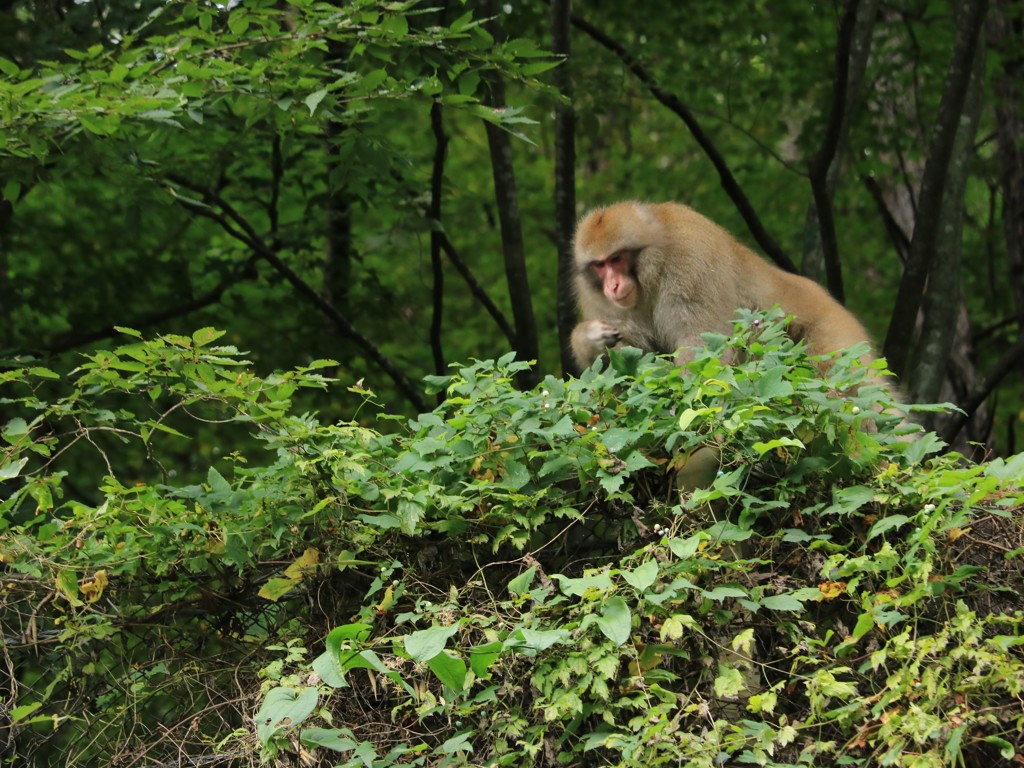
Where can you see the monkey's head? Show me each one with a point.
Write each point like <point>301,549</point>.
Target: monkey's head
<point>607,244</point>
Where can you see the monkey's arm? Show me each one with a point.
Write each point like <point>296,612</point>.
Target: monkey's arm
<point>590,339</point>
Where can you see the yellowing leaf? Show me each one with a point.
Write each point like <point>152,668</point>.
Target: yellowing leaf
<point>92,587</point>
<point>306,563</point>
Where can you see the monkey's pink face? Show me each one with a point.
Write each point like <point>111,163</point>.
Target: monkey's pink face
<point>617,278</point>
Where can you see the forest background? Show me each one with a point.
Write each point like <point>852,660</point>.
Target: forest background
<point>376,193</point>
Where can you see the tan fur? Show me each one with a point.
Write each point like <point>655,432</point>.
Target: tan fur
<point>692,275</point>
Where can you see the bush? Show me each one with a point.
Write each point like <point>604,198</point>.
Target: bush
<point>515,578</point>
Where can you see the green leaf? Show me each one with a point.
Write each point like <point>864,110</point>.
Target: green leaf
<point>12,469</point>
<point>782,603</point>
<point>205,336</point>
<point>887,523</point>
<point>410,513</point>
<point>20,713</point>
<point>327,665</point>
<point>643,577</point>
<point>601,581</point>
<point>846,501</point>
<point>314,99</point>
<point>781,442</point>
<point>718,594</point>
<point>537,639</point>
<point>686,548</point>
<point>284,708</point>
<point>1006,749</point>
<point>615,620</point>
<point>729,682</point>
<point>449,669</point>
<point>521,583</point>
<point>276,588</point>
<point>483,656</point>
<point>425,644</point>
<point>338,739</point>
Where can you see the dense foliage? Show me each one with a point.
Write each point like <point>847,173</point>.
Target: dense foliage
<point>275,544</point>
<point>510,579</point>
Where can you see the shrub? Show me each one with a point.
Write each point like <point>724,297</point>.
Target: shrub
<point>514,578</point>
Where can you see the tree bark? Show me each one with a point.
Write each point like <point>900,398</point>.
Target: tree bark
<point>1008,16</point>
<point>933,183</point>
<point>942,299</point>
<point>851,63</point>
<point>436,233</point>
<point>511,224</point>
<point>565,180</point>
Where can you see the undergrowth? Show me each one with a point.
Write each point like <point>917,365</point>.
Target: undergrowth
<point>194,572</point>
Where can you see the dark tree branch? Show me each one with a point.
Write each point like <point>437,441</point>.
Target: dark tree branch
<point>242,231</point>
<point>434,214</point>
<point>1005,24</point>
<point>276,174</point>
<point>757,230</point>
<point>477,290</point>
<point>821,163</point>
<point>898,237</point>
<point>1009,361</point>
<point>565,179</point>
<point>507,199</point>
<point>928,223</point>
<point>69,341</point>
<point>943,297</point>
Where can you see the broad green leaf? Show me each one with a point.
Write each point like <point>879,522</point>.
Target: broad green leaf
<point>729,682</point>
<point>449,669</point>
<point>313,100</point>
<point>718,594</point>
<point>521,583</point>
<point>338,739</point>
<point>276,588</point>
<point>483,656</point>
<point>782,603</point>
<point>615,620</point>
<point>887,523</point>
<point>781,442</point>
<point>425,644</point>
<point>284,708</point>
<point>13,469</point>
<point>538,639</point>
<point>601,581</point>
<point>643,577</point>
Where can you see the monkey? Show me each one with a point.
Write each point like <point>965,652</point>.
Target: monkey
<point>657,276</point>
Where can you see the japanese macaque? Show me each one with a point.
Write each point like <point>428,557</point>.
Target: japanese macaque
<point>657,276</point>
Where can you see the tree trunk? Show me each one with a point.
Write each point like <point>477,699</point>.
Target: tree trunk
<point>511,224</point>
<point>813,262</point>
<point>942,299</point>
<point>565,179</point>
<point>1005,30</point>
<point>933,183</point>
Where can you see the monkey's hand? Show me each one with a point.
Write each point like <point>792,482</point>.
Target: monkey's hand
<point>591,338</point>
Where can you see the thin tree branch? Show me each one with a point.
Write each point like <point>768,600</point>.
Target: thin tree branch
<point>898,237</point>
<point>757,230</point>
<point>477,290</point>
<point>1009,361</point>
<point>434,214</point>
<point>247,235</point>
<point>821,163</point>
<point>69,341</point>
